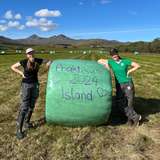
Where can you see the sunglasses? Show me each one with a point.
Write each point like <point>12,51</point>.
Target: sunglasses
<point>30,53</point>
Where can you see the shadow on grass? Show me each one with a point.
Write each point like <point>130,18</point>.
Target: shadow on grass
<point>142,106</point>
<point>40,122</point>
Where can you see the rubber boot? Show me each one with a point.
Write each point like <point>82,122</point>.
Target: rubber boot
<point>20,133</point>
<point>137,120</point>
<point>129,122</point>
<point>27,123</point>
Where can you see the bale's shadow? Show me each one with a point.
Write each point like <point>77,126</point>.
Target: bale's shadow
<point>142,106</point>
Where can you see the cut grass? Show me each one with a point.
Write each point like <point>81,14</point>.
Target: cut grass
<point>115,141</point>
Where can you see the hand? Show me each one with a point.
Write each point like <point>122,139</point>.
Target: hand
<point>23,75</point>
<point>128,73</point>
<point>102,61</point>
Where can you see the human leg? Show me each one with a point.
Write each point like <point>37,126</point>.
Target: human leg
<point>129,109</point>
<point>34,96</point>
<point>25,103</point>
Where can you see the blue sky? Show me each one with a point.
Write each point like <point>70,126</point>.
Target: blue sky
<point>123,20</point>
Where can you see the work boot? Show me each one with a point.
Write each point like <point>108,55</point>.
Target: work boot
<point>20,134</point>
<point>27,123</point>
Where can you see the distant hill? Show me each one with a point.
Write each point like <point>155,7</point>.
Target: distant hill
<point>59,40</point>
<point>4,40</point>
<point>62,41</point>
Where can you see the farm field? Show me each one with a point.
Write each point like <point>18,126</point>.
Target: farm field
<point>114,141</point>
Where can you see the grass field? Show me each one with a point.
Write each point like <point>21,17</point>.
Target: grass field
<point>115,141</point>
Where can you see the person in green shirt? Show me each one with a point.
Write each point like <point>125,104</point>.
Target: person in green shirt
<point>124,84</point>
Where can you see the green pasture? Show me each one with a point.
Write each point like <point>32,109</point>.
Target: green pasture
<point>113,141</point>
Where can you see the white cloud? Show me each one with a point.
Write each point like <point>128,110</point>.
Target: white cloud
<point>13,24</point>
<point>43,24</point>
<point>21,27</point>
<point>3,28</point>
<point>43,20</point>
<point>18,16</point>
<point>12,21</point>
<point>32,23</point>
<point>8,15</point>
<point>105,1</point>
<point>48,13</point>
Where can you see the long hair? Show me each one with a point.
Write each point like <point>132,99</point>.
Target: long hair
<point>32,65</point>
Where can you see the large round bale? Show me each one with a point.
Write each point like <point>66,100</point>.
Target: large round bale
<point>79,92</point>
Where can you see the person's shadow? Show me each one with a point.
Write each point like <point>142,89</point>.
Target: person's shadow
<point>142,106</point>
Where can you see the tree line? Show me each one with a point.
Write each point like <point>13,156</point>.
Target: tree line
<point>141,46</point>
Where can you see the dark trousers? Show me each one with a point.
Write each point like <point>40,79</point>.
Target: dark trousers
<point>29,95</point>
<point>124,99</point>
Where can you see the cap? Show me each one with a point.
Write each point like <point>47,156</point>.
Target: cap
<point>28,50</point>
<point>113,51</point>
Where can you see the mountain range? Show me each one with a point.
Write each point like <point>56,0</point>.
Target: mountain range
<point>58,40</point>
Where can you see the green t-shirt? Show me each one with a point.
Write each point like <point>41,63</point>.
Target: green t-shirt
<point>120,69</point>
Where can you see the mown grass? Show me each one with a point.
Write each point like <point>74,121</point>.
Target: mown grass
<point>115,141</point>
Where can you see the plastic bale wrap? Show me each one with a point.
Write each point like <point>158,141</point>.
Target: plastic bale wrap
<point>79,93</point>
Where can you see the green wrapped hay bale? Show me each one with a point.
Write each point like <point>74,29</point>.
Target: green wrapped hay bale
<point>79,92</point>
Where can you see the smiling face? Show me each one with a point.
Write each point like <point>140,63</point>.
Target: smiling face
<point>116,57</point>
<point>30,55</point>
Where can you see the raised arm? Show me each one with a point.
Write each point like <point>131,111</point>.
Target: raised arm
<point>135,66</point>
<point>14,68</point>
<point>47,62</point>
<point>104,62</point>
